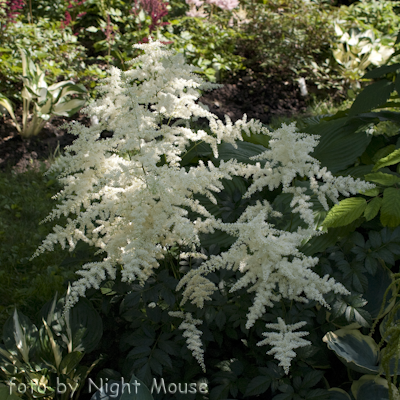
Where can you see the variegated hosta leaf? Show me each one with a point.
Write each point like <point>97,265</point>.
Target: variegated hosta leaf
<point>372,387</point>
<point>68,108</point>
<point>357,351</point>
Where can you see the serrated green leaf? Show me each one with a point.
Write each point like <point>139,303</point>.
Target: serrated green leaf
<point>162,357</point>
<point>382,178</point>
<point>220,319</point>
<point>347,211</point>
<point>392,158</point>
<point>373,96</point>
<point>375,239</point>
<point>371,192</point>
<point>139,352</point>
<point>390,209</point>
<point>312,378</point>
<point>372,209</point>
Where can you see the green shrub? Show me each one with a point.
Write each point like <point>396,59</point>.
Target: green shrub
<point>284,38</point>
<point>58,53</point>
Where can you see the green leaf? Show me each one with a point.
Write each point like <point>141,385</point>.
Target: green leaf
<point>6,103</point>
<point>371,387</point>
<point>381,71</point>
<point>258,385</point>
<point>341,142</point>
<point>390,209</point>
<point>371,192</point>
<point>372,209</point>
<point>338,394</point>
<point>377,285</point>
<point>382,178</point>
<point>392,158</point>
<point>81,327</point>
<point>357,351</point>
<point>68,108</point>
<point>139,352</point>
<point>347,211</point>
<point>373,96</point>
<point>312,378</point>
<point>6,395</point>
<point>20,335</point>
<point>244,151</point>
<point>220,319</point>
<point>162,357</point>
<point>70,362</point>
<point>321,243</point>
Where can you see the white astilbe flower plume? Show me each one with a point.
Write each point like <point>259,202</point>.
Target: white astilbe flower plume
<point>284,342</point>
<point>128,195</point>
<point>192,335</point>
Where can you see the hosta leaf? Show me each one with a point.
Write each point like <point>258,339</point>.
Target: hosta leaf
<point>6,103</point>
<point>377,285</point>
<point>338,394</point>
<point>382,178</point>
<point>347,211</point>
<point>341,142</point>
<point>392,158</point>
<point>390,209</point>
<point>357,351</point>
<point>371,387</point>
<point>20,335</point>
<point>5,393</point>
<point>372,96</point>
<point>244,151</point>
<point>68,108</point>
<point>372,209</point>
<point>70,362</point>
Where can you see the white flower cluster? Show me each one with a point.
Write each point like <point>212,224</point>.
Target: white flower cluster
<point>192,335</point>
<point>284,342</point>
<point>128,196</point>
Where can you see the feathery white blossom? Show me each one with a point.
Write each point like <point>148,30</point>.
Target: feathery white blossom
<point>192,335</point>
<point>284,342</point>
<point>128,196</point>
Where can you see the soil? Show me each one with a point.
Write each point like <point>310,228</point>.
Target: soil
<point>259,99</point>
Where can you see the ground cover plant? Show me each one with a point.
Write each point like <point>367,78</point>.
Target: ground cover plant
<point>181,292</point>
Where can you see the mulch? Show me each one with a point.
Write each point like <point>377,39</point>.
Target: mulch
<point>258,98</point>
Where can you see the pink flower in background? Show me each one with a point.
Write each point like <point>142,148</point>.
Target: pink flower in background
<point>157,10</point>
<point>197,3</point>
<point>11,8</point>
<point>196,13</point>
<point>228,5</point>
<point>68,20</point>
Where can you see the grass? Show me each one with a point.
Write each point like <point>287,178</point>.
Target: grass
<point>25,200</point>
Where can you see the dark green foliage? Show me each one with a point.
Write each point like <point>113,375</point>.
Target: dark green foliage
<point>52,352</point>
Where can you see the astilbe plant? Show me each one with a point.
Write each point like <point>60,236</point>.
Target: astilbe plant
<point>128,196</point>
